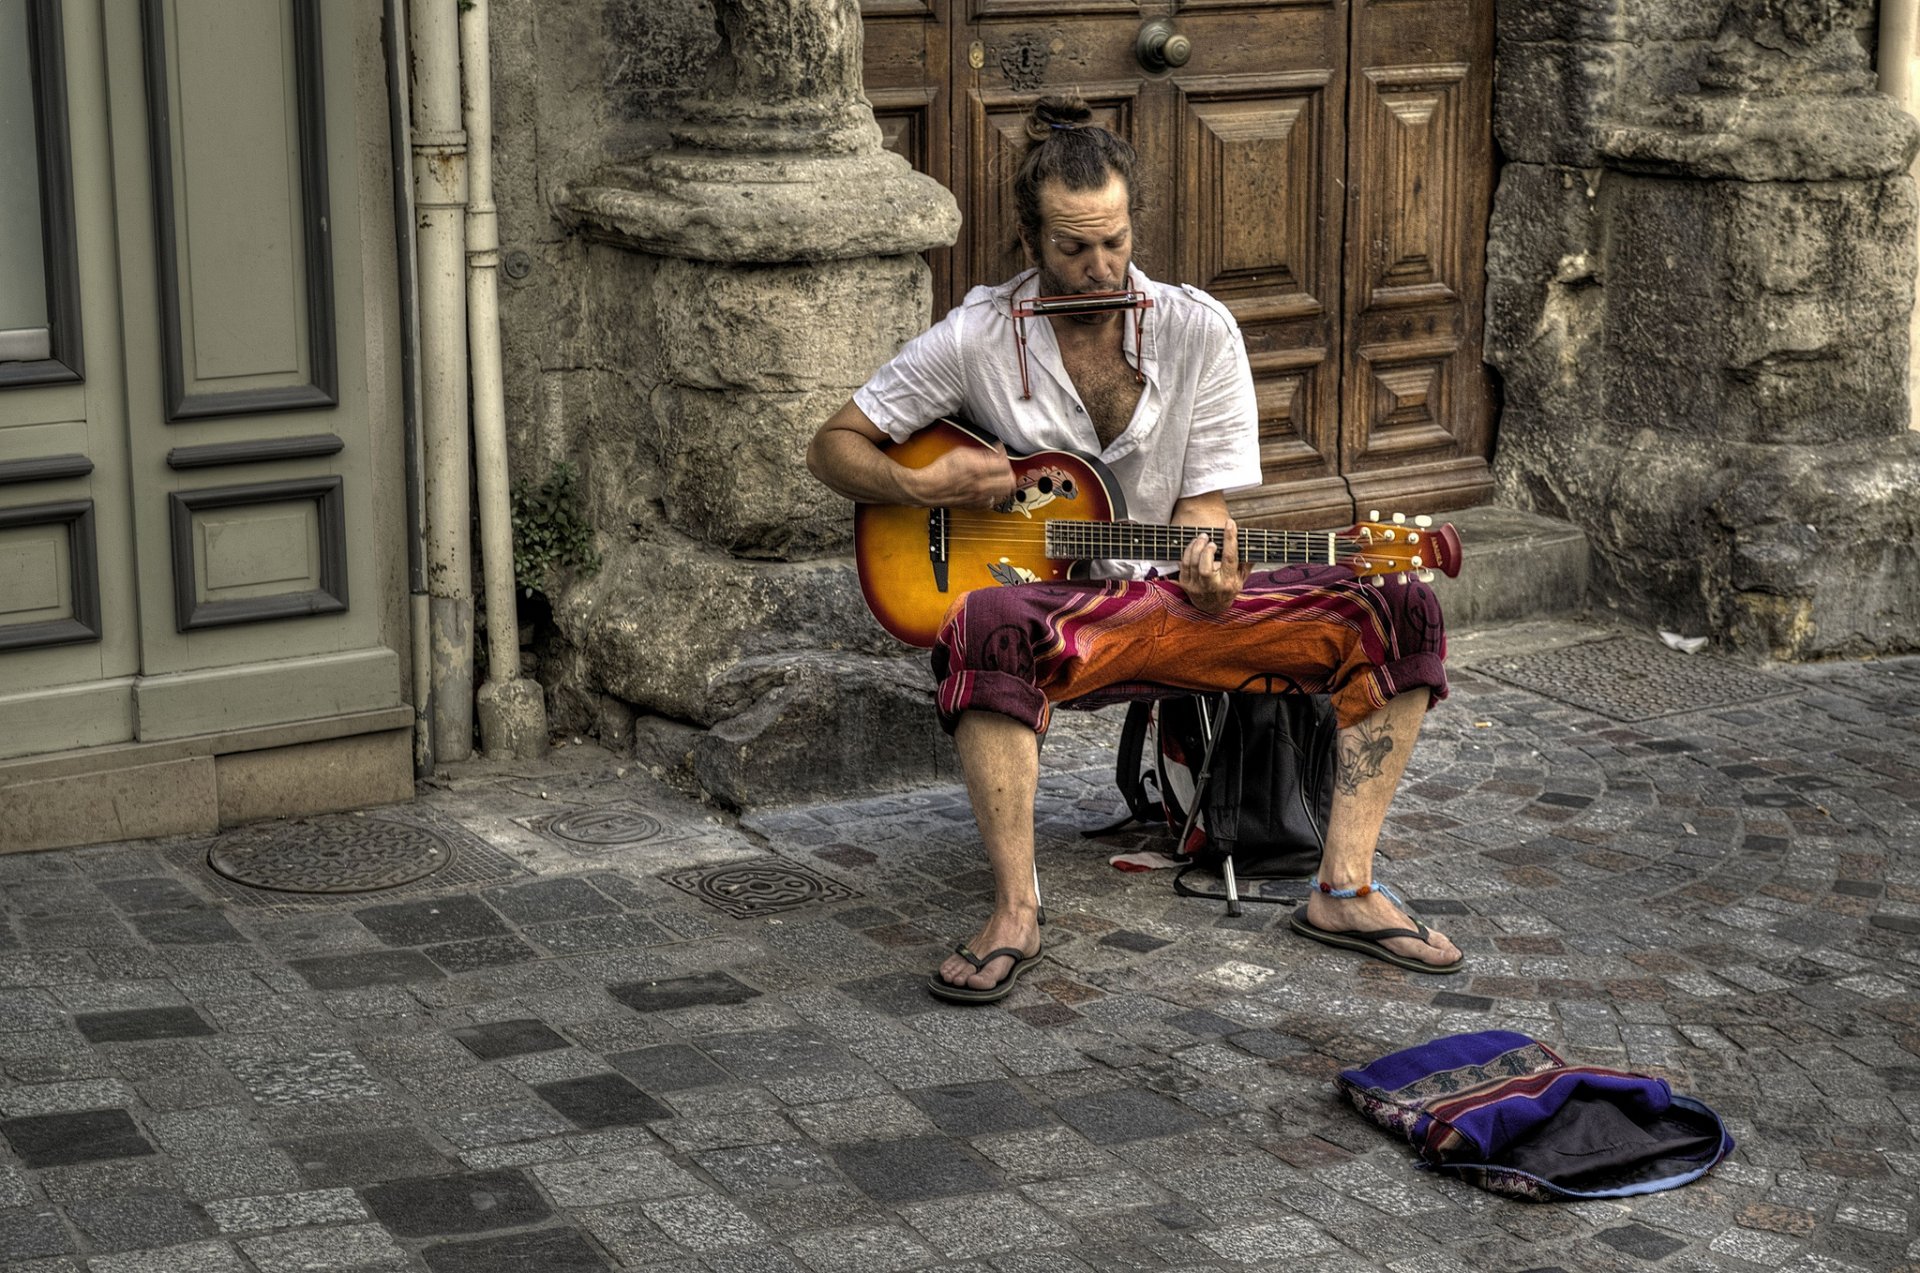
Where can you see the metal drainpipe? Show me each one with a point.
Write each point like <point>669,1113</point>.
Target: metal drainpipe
<point>513,716</point>
<point>1895,56</point>
<point>394,30</point>
<point>440,198</point>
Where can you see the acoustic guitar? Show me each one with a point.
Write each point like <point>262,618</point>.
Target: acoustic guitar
<point>1067,509</point>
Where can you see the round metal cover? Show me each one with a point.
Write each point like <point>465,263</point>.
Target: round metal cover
<point>331,855</point>
<point>613,824</point>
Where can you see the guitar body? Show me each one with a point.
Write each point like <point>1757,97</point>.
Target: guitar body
<point>909,589</point>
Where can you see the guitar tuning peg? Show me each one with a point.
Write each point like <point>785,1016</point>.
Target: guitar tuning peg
<point>1424,576</point>
<point>1423,521</point>
<point>1403,576</point>
<point>1376,579</point>
<point>1399,519</point>
<point>1373,514</point>
<point>1388,535</point>
<point>1413,536</point>
<point>1417,563</point>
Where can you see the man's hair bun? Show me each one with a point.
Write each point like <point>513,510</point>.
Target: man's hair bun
<point>1057,114</point>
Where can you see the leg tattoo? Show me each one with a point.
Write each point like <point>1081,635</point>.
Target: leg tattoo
<point>1363,751</point>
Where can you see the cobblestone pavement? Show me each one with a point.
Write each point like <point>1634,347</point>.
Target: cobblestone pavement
<point>619,1031</point>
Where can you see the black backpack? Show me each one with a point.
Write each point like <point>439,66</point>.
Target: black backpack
<point>1266,791</point>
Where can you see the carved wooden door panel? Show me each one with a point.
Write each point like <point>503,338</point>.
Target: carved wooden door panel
<point>1416,430</point>
<point>1264,159</point>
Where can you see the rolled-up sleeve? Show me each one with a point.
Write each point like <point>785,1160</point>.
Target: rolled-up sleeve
<point>923,382</point>
<point>1223,436</point>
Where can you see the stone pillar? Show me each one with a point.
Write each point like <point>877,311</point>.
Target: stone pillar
<point>781,241</point>
<point>1700,272</point>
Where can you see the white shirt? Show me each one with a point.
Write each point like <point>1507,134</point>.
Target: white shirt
<point>1195,429</point>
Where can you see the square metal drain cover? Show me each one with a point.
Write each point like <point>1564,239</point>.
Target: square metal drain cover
<point>747,889</point>
<point>292,845</point>
<point>1633,680</point>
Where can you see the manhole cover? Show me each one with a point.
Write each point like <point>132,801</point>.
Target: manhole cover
<point>1631,680</point>
<point>758,888</point>
<point>332,855</point>
<point>603,827</point>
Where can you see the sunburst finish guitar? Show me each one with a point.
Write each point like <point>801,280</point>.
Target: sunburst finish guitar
<point>1067,509</point>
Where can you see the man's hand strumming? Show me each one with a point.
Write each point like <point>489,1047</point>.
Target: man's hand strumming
<point>965,477</point>
<point>1213,577</point>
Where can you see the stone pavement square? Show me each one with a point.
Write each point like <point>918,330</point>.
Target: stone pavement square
<point>583,1067</point>
<point>602,1100</point>
<point>496,1039</point>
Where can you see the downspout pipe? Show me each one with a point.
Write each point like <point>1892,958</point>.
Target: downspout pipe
<point>512,709</point>
<point>440,199</point>
<point>394,30</point>
<point>1899,20</point>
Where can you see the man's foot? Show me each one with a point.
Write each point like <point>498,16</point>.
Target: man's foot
<point>1002,933</point>
<point>1374,926</point>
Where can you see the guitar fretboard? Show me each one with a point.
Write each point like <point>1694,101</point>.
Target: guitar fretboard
<point>1132,540</point>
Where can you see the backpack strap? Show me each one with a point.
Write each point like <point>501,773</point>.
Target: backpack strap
<point>1128,774</point>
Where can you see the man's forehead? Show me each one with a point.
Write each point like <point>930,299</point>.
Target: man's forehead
<point>1092,214</point>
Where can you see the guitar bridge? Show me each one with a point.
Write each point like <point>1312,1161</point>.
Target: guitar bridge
<point>938,522</point>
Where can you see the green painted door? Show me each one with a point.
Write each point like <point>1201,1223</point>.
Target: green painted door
<point>197,531</point>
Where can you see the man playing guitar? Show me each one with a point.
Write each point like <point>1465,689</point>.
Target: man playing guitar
<point>1155,381</point>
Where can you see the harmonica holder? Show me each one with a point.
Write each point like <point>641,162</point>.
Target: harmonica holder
<point>1082,303</point>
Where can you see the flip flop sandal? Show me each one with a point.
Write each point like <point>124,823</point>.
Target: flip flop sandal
<point>1372,942</point>
<point>989,994</point>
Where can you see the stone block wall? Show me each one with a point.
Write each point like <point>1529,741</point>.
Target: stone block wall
<point>706,251</point>
<point>1700,272</point>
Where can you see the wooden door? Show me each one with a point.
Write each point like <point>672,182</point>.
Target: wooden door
<point>1322,168</point>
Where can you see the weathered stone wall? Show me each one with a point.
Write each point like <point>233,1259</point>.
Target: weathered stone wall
<point>707,250</point>
<point>1700,272</point>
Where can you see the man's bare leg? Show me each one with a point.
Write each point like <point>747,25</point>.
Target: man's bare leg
<point>1001,759</point>
<point>1372,755</point>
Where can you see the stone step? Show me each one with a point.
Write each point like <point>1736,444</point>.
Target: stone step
<point>1514,566</point>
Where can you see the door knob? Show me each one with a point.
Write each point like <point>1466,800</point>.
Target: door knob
<point>1160,47</point>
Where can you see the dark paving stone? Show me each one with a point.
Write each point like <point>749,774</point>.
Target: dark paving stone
<point>496,1039</point>
<point>31,1235</point>
<point>369,968</point>
<point>602,1100</point>
<point>1127,1114</point>
<point>542,1251</point>
<point>1638,1240</point>
<point>139,1220</point>
<point>481,952</point>
<point>975,1109</point>
<point>1128,940</point>
<point>1201,1022</point>
<point>671,1067</point>
<point>426,923</point>
<point>1858,888</point>
<point>186,928</point>
<point>911,1170</point>
<point>471,1202</point>
<point>1438,906</point>
<point>771,1054</point>
<point>140,1024</point>
<point>1453,999</point>
<point>682,992</point>
<point>133,896</point>
<point>56,1140</point>
<point>548,900</point>
<point>1896,923</point>
<point>359,1158</point>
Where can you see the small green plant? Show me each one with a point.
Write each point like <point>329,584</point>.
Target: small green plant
<point>549,533</point>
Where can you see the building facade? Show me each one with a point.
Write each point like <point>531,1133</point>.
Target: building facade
<point>1647,268</point>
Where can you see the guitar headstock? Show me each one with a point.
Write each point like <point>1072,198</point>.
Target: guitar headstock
<point>1404,546</point>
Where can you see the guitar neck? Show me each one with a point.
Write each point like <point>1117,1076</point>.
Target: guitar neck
<point>1079,541</point>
